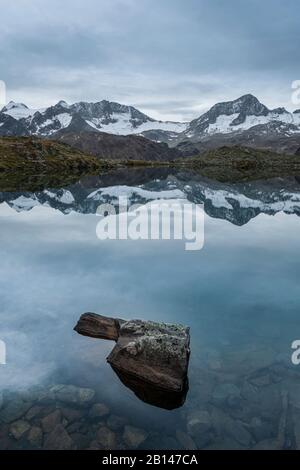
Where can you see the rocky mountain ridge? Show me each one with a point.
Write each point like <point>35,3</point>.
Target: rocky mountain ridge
<point>244,121</point>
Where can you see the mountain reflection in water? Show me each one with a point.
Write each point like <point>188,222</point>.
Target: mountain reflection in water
<point>239,294</point>
<point>236,202</point>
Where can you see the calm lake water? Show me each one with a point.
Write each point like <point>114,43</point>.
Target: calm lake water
<point>239,295</point>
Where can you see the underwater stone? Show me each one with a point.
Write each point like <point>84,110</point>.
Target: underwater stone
<point>58,439</point>
<point>51,421</point>
<point>72,394</point>
<point>106,438</point>
<point>19,428</point>
<point>35,436</point>
<point>134,437</point>
<point>99,410</point>
<point>14,410</point>
<point>199,423</point>
<point>116,423</point>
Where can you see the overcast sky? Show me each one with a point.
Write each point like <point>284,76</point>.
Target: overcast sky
<point>170,58</point>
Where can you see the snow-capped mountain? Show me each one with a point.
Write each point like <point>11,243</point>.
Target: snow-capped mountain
<point>240,115</point>
<point>104,116</point>
<point>17,110</point>
<point>244,121</point>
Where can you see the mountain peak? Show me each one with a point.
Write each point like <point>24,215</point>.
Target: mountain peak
<point>228,117</point>
<point>248,101</point>
<point>248,97</point>
<point>248,104</point>
<point>13,105</point>
<point>228,113</point>
<point>280,110</point>
<point>63,104</point>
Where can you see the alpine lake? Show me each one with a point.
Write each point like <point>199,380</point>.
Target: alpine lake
<point>239,294</point>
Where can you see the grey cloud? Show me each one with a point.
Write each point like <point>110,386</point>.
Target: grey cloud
<point>169,57</point>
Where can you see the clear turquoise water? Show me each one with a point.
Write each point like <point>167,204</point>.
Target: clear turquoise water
<point>239,295</point>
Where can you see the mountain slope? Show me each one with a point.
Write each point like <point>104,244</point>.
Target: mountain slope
<point>27,154</point>
<point>244,121</point>
<point>102,116</point>
<point>239,115</point>
<point>266,137</point>
<point>117,147</point>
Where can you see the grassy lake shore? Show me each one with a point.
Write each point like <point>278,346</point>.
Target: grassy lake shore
<point>33,163</point>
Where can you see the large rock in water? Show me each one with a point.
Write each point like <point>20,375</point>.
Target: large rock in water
<point>150,358</point>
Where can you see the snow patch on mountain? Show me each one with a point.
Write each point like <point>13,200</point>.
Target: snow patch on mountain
<point>241,115</point>
<point>64,119</point>
<point>225,199</point>
<point>224,124</point>
<point>235,116</point>
<point>103,116</point>
<point>64,196</point>
<point>23,203</point>
<point>18,110</point>
<point>130,192</point>
<point>122,124</point>
<point>6,210</point>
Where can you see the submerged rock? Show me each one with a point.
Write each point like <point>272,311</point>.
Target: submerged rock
<point>5,440</point>
<point>14,410</point>
<point>80,440</point>
<point>116,423</point>
<point>161,441</point>
<point>35,436</point>
<point>146,354</point>
<point>134,437</point>
<point>224,425</point>
<point>267,444</point>
<point>226,394</point>
<point>34,412</point>
<point>19,428</point>
<point>71,414</point>
<point>106,438</point>
<point>58,439</point>
<point>296,430</point>
<point>199,423</point>
<point>99,410</point>
<point>185,440</point>
<point>73,395</point>
<point>51,421</point>
<point>261,429</point>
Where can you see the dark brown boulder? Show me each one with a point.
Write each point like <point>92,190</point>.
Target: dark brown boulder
<point>98,326</point>
<point>150,358</point>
